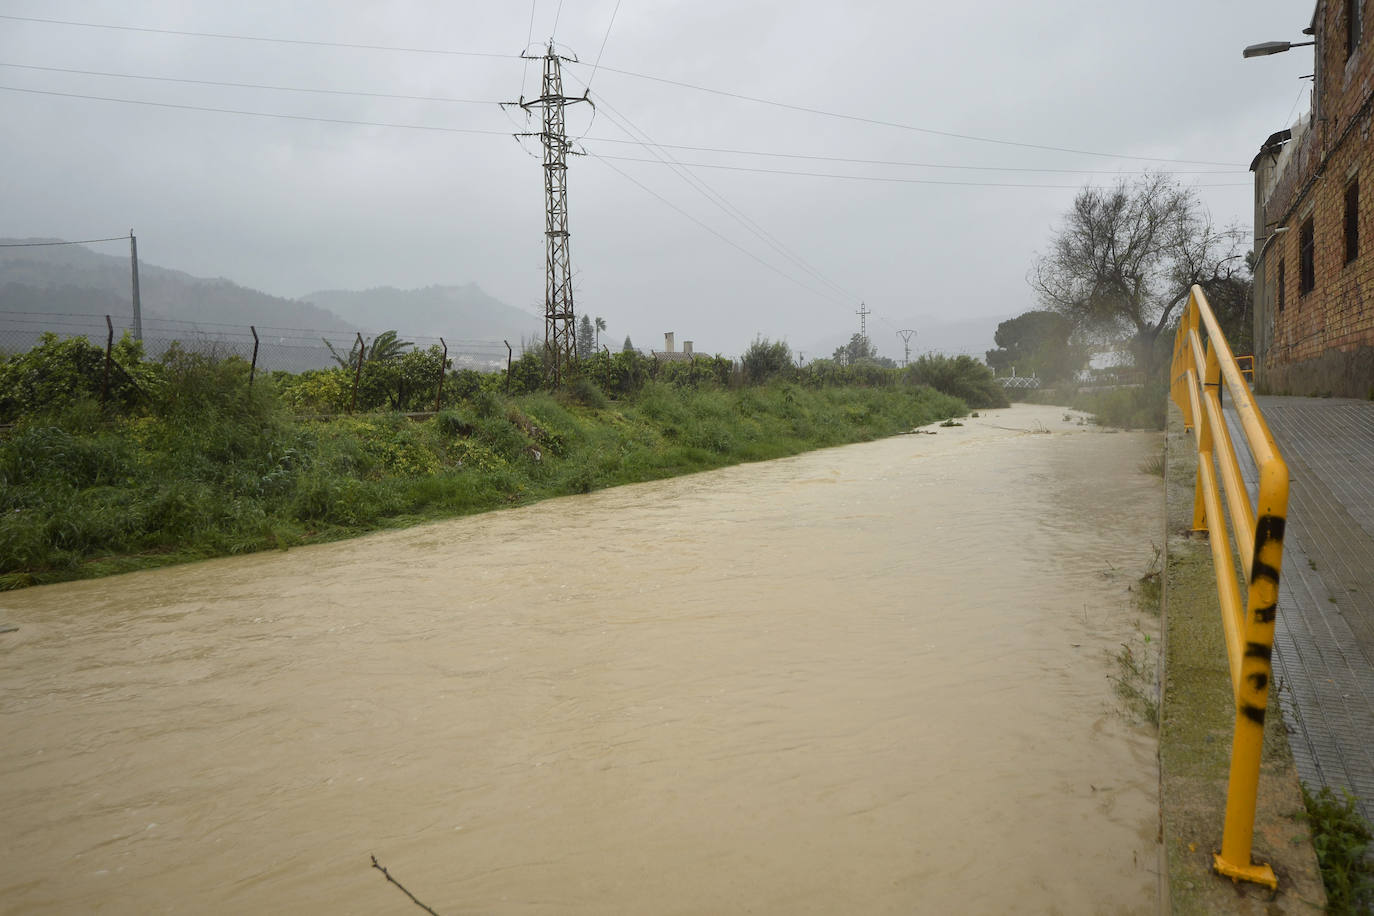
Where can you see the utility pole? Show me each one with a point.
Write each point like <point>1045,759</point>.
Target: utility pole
<point>863,314</point>
<point>560,334</point>
<point>906,334</point>
<point>138,306</point>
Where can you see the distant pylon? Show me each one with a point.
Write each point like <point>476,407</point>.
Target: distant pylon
<point>906,334</point>
<point>560,332</point>
<point>863,314</point>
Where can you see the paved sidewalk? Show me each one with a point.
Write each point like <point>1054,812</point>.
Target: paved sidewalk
<point>1324,638</point>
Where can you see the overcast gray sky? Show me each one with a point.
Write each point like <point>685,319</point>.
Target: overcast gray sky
<point>290,206</point>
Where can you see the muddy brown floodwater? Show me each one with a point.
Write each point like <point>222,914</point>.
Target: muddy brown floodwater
<point>871,679</point>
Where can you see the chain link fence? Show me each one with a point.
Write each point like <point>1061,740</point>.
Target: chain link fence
<point>267,347</point>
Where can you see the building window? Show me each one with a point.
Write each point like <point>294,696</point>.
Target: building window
<point>1307,267</point>
<point>1352,220</point>
<point>1354,26</point>
<point>1281,284</point>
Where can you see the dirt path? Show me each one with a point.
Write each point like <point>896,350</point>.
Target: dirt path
<point>868,679</point>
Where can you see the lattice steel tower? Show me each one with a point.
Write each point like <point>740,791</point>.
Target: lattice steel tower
<point>560,343</point>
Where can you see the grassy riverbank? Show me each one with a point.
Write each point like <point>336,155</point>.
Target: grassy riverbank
<point>214,468</point>
<point>1138,407</point>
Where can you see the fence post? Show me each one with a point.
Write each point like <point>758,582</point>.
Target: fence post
<point>508,355</point>
<point>253,369</point>
<point>137,301</point>
<point>443,367</point>
<point>109,358</point>
<point>357,373</point>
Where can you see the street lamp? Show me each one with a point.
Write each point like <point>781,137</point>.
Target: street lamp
<point>1265,48</point>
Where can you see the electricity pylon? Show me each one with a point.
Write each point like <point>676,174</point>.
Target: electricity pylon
<point>560,332</point>
<point>906,334</point>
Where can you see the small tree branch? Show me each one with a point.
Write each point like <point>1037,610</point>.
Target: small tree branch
<point>377,865</point>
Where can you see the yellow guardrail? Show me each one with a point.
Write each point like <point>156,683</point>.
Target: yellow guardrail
<point>1247,367</point>
<point>1198,373</point>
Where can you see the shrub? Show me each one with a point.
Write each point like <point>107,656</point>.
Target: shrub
<point>584,391</point>
<point>962,377</point>
<point>764,359</point>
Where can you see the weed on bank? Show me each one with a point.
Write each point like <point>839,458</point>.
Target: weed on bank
<point>202,464</point>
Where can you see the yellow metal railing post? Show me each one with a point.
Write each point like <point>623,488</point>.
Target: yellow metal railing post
<point>1198,377</point>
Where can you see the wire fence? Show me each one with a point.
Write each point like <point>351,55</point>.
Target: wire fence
<point>268,348</point>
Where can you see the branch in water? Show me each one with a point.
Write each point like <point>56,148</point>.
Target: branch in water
<point>377,865</point>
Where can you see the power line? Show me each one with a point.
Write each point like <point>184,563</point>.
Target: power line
<point>173,79</point>
<point>884,178</point>
<point>630,73</point>
<point>646,189</point>
<point>906,162</point>
<point>114,238</point>
<point>260,114</point>
<point>502,133</point>
<point>617,140</point>
<point>604,39</point>
<point>911,127</point>
<point>261,38</point>
<point>556,16</point>
<point>717,199</point>
<point>529,39</point>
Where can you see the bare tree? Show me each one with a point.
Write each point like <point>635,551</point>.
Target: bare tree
<point>1125,258</point>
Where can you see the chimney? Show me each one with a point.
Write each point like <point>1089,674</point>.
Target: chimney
<point>668,342</point>
<point>687,347</point>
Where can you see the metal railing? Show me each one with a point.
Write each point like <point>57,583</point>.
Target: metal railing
<point>1199,370</point>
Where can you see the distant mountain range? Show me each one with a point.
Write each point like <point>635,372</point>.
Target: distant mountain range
<point>465,313</point>
<point>69,289</point>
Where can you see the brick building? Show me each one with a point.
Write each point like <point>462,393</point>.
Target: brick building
<point>1314,222</point>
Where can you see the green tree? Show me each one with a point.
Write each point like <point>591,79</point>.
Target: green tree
<point>385,347</point>
<point>961,376</point>
<point>600,326</point>
<point>1036,343</point>
<point>1125,258</point>
<point>629,347</point>
<point>765,359</point>
<point>859,348</point>
<point>585,336</point>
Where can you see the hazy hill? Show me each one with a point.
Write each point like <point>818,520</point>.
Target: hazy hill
<point>72,280</point>
<point>70,288</point>
<point>454,312</point>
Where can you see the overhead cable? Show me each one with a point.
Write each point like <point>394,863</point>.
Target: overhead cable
<point>715,197</point>
<point>261,114</point>
<point>174,79</point>
<point>260,38</point>
<point>885,178</point>
<point>113,238</point>
<point>650,191</point>
<point>911,127</point>
<point>602,50</point>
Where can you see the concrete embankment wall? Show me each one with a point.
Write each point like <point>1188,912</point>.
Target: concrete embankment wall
<point>1197,715</point>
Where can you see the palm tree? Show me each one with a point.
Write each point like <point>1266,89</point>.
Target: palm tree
<point>385,347</point>
<point>600,326</point>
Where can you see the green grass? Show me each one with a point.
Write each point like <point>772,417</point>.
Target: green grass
<point>1341,838</point>
<point>212,470</point>
<point>1138,407</point>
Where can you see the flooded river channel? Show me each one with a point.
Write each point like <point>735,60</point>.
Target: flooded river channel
<point>871,679</point>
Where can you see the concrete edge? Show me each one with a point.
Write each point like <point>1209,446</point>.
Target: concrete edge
<point>1196,719</point>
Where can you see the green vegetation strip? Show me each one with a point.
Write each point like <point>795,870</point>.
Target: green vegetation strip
<point>1197,716</point>
<point>202,465</point>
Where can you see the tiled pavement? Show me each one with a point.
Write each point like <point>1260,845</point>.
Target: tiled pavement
<point>1324,637</point>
